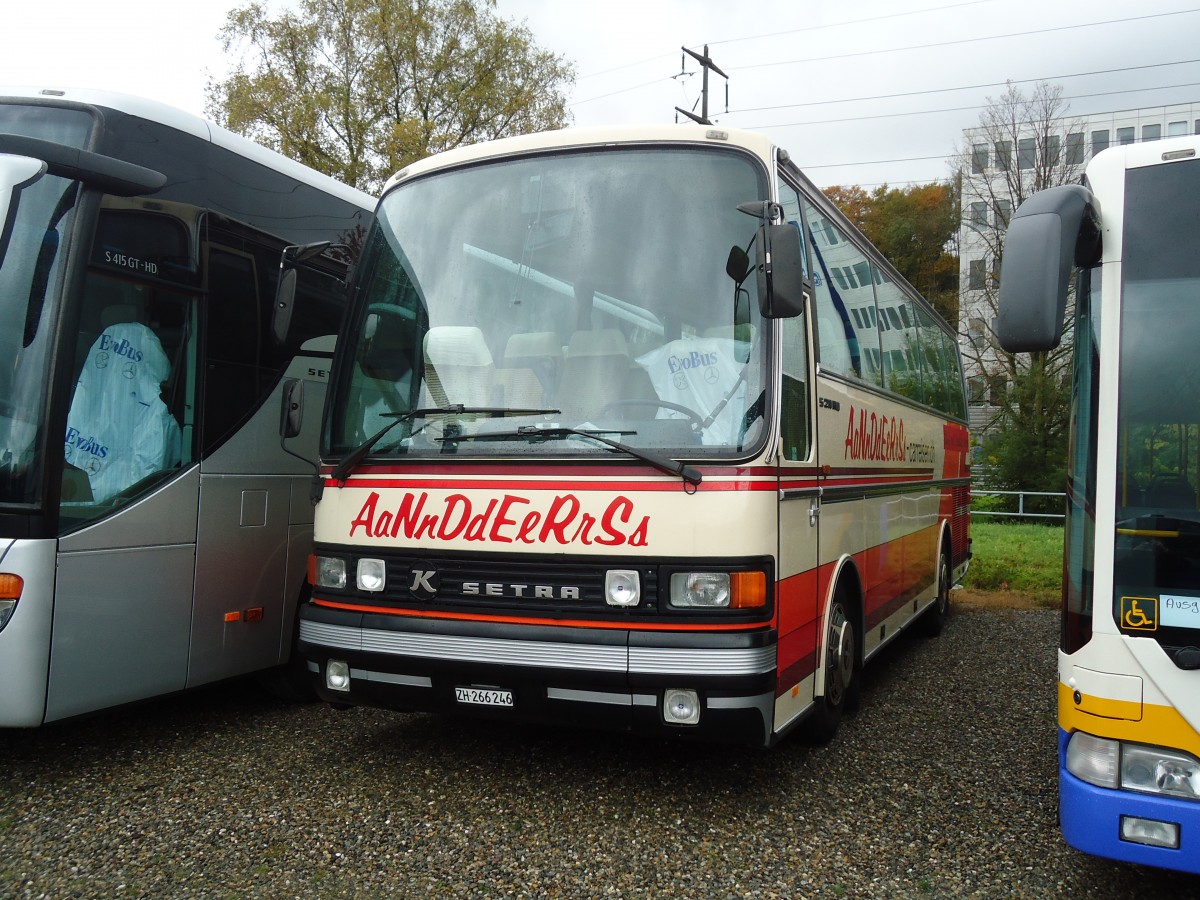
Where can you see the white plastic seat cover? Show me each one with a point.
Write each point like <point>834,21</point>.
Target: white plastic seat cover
<point>119,429</point>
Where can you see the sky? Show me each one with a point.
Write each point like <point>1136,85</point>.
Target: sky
<point>858,91</point>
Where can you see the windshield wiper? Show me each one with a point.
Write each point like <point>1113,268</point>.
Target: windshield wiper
<point>688,473</point>
<point>360,452</point>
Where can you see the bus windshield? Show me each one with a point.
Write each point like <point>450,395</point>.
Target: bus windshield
<point>1158,463</point>
<point>39,216</point>
<point>530,302</point>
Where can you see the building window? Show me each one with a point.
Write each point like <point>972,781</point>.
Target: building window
<point>979,158</point>
<point>1126,135</point>
<point>1003,213</point>
<point>1053,149</point>
<point>977,388</point>
<point>1099,141</point>
<point>1075,149</point>
<point>1026,153</point>
<point>998,390</point>
<point>1004,154</point>
<point>1177,129</point>
<point>978,214</point>
<point>975,273</point>
<point>1151,132</point>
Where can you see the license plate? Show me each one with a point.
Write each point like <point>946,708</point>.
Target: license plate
<point>483,696</point>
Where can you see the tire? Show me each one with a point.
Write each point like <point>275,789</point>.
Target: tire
<point>933,620</point>
<point>840,663</point>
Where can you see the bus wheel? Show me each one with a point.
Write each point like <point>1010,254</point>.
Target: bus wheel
<point>934,619</point>
<point>840,665</point>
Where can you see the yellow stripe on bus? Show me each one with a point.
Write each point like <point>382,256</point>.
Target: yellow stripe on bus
<point>1161,726</point>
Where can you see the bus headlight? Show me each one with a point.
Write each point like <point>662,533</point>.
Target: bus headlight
<point>719,590</point>
<point>372,575</point>
<point>1160,771</point>
<point>10,592</point>
<point>1135,767</point>
<point>1093,759</point>
<point>327,572</point>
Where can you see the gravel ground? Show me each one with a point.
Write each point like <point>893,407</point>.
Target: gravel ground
<point>942,786</point>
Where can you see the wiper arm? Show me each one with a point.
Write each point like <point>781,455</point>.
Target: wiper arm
<point>688,473</point>
<point>360,452</point>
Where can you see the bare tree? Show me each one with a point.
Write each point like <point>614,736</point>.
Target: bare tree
<point>1020,403</point>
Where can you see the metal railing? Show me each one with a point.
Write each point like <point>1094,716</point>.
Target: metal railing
<point>1020,512</point>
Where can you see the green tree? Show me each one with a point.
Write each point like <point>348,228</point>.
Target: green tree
<point>358,89</point>
<point>916,228</point>
<point>1023,144</point>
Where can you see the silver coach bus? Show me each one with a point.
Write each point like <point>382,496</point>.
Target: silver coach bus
<point>154,527</point>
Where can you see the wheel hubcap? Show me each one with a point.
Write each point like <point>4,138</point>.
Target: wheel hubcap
<point>839,666</point>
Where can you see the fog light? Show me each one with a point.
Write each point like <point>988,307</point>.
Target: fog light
<point>337,675</point>
<point>372,575</point>
<point>622,587</point>
<point>329,572</point>
<point>681,706</point>
<point>1093,759</point>
<point>1150,832</point>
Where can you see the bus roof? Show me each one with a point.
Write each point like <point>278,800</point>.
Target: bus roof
<point>587,137</point>
<point>194,125</point>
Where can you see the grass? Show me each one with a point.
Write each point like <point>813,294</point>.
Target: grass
<point>1018,559</point>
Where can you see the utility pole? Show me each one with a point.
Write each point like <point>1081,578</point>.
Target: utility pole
<point>706,64</point>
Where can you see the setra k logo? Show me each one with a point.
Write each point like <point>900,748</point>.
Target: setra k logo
<point>424,584</point>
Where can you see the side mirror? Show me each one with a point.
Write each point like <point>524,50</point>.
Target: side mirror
<point>737,266</point>
<point>16,173</point>
<point>291,412</point>
<point>285,291</point>
<point>1049,231</point>
<point>285,302</point>
<point>783,290</point>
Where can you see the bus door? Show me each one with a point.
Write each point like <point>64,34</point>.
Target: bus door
<point>799,606</point>
<point>129,492</point>
<point>245,494</point>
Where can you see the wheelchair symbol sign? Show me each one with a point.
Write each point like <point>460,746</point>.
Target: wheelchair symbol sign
<point>1139,613</point>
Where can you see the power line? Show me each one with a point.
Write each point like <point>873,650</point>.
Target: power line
<point>950,109</point>
<point>755,37</point>
<point>968,87</point>
<point>897,15</point>
<point>973,40</point>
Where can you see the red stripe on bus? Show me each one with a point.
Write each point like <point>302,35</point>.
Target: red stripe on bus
<point>534,620</point>
<point>539,484</point>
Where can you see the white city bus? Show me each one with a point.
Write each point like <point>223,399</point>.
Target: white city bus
<point>596,453</point>
<point>153,527</point>
<point>1129,663</point>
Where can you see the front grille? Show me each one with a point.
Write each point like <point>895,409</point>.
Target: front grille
<point>554,585</point>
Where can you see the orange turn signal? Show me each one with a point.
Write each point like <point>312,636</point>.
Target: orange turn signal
<point>11,586</point>
<point>747,590</point>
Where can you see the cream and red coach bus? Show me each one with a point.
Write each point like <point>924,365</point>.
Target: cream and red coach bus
<point>630,428</point>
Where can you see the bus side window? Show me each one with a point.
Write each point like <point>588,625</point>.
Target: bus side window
<point>132,389</point>
<point>232,342</point>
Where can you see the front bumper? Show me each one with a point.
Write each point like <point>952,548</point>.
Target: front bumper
<point>597,677</point>
<point>1091,821</point>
